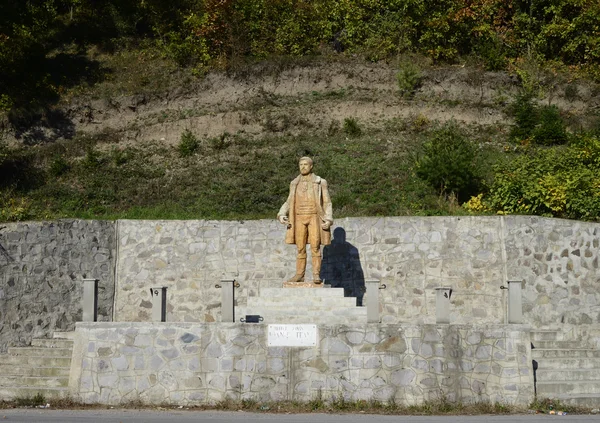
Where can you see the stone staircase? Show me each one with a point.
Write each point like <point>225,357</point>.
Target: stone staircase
<point>321,305</point>
<point>567,370</point>
<point>43,368</point>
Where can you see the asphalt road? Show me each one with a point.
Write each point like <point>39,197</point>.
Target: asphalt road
<point>142,416</point>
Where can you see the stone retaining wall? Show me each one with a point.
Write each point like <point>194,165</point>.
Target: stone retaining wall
<point>42,265</point>
<point>475,256</point>
<point>194,364</point>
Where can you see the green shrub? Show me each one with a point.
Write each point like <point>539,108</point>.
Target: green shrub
<point>491,51</point>
<point>59,166</point>
<point>409,78</point>
<point>449,164</point>
<point>541,125</point>
<point>120,156</point>
<point>351,127</point>
<point>188,145</point>
<point>560,182</point>
<point>524,112</point>
<point>93,159</point>
<point>551,128</point>
<point>220,143</point>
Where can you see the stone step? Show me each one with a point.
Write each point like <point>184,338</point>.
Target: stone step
<point>16,370</point>
<point>346,320</point>
<point>330,302</point>
<point>13,392</point>
<point>568,363</point>
<point>546,335</point>
<point>41,361</point>
<point>567,374</point>
<point>64,335</point>
<point>34,381</point>
<point>563,345</point>
<point>52,343</point>
<point>579,400</point>
<point>300,292</point>
<point>540,354</point>
<point>40,352</point>
<point>321,315</point>
<point>549,389</point>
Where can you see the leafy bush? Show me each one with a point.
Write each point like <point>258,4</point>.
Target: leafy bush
<point>524,112</point>
<point>188,145</point>
<point>351,127</point>
<point>14,209</point>
<point>541,125</point>
<point>561,182</point>
<point>551,128</point>
<point>59,166</point>
<point>450,164</point>
<point>93,159</point>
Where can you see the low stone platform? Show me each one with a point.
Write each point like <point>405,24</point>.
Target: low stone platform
<point>299,302</point>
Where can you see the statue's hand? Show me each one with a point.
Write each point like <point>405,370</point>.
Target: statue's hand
<point>326,225</point>
<point>283,220</point>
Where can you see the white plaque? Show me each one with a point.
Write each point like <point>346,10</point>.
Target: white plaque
<point>292,336</point>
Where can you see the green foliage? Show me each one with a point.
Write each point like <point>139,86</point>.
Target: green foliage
<point>188,145</point>
<point>524,112</point>
<point>41,41</point>
<point>351,127</point>
<point>409,78</point>
<point>449,163</point>
<point>4,152</point>
<point>93,159</point>
<point>540,125</point>
<point>493,53</point>
<point>551,128</point>
<point>59,166</point>
<point>561,182</point>
<point>31,401</point>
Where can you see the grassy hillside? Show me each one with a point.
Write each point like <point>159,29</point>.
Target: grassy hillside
<point>227,146</point>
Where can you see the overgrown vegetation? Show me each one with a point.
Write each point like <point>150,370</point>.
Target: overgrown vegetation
<point>43,42</point>
<point>334,405</point>
<point>53,50</point>
<point>449,163</point>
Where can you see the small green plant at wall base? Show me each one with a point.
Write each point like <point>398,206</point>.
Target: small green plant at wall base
<point>31,401</point>
<point>188,145</point>
<point>351,127</point>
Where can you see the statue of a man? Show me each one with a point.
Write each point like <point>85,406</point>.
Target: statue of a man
<point>308,215</point>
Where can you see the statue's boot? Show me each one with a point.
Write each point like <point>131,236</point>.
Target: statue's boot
<point>316,265</point>
<point>300,269</point>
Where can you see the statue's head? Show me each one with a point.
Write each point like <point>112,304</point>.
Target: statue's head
<point>306,165</point>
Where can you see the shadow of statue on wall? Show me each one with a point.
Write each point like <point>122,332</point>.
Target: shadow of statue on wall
<point>341,266</point>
